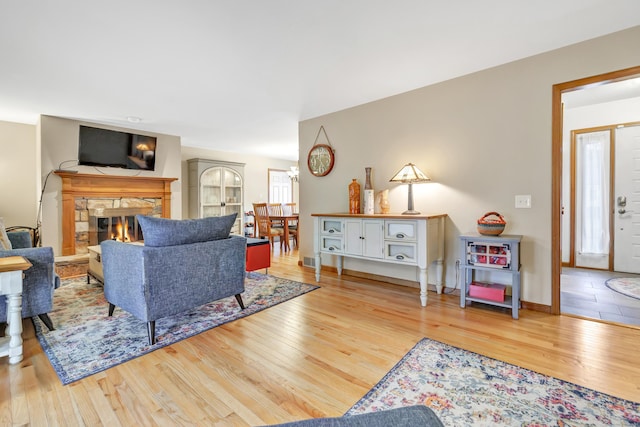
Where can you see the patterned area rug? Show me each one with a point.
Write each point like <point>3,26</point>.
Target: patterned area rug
<point>87,341</point>
<point>467,389</point>
<point>629,286</point>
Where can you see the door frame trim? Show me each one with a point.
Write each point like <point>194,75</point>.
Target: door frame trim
<point>556,167</point>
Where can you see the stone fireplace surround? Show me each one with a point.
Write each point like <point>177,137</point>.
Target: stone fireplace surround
<point>81,192</point>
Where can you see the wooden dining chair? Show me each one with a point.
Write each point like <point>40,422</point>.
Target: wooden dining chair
<point>275,209</point>
<point>294,231</point>
<point>263,224</point>
<point>290,209</point>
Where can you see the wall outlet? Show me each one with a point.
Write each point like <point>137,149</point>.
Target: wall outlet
<point>523,201</point>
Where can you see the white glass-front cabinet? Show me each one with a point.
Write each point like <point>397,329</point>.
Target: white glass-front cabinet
<point>216,188</point>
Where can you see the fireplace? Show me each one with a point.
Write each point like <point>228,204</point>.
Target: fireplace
<point>111,218</point>
<point>115,224</point>
<point>84,192</point>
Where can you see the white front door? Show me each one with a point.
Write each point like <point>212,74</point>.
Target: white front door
<point>626,209</point>
<point>280,187</point>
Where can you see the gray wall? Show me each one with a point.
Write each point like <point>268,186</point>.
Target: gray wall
<point>18,174</point>
<point>482,138</point>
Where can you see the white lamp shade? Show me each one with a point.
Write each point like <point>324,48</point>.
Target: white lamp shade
<point>410,174</point>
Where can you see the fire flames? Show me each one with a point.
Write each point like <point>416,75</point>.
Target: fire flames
<point>122,232</point>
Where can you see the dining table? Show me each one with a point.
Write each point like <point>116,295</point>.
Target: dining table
<point>284,221</point>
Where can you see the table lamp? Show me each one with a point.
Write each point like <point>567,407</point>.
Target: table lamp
<point>410,174</point>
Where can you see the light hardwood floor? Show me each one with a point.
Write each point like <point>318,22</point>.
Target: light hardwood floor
<point>313,356</point>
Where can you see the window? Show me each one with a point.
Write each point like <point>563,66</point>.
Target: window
<point>592,192</point>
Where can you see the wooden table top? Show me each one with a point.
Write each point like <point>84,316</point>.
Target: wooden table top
<point>291,216</point>
<point>13,263</point>
<point>383,216</point>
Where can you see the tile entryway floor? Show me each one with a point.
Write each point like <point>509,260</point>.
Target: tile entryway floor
<point>584,293</point>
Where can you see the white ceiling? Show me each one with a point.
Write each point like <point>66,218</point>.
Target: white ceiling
<point>598,93</point>
<point>239,75</point>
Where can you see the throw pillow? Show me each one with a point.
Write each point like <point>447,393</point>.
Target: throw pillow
<point>5,243</point>
<point>172,232</point>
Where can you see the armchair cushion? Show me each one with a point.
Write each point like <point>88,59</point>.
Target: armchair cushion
<point>20,239</point>
<point>159,232</point>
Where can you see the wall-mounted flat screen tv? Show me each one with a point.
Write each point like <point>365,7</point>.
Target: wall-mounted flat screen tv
<point>103,147</point>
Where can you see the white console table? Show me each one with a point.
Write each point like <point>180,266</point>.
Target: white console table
<point>414,240</point>
<point>11,269</point>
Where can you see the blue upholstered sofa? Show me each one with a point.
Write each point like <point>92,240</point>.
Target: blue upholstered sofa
<point>39,281</point>
<point>409,416</point>
<point>182,265</point>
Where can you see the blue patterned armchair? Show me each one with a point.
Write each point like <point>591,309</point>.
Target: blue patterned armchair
<point>39,281</point>
<point>182,265</point>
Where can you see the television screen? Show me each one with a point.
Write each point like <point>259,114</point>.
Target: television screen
<point>103,147</point>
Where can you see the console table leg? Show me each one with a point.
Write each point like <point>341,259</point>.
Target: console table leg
<point>423,287</point>
<point>318,266</point>
<point>14,320</point>
<point>339,266</point>
<point>439,275</point>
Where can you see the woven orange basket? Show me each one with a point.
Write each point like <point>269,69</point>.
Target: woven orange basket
<point>491,226</point>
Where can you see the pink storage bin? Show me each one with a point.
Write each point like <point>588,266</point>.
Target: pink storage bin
<point>490,291</point>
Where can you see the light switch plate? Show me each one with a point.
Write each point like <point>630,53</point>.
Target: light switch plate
<point>523,201</point>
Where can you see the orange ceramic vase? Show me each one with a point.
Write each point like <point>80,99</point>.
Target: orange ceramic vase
<point>354,197</point>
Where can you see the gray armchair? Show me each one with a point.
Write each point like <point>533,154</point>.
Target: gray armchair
<point>182,265</point>
<point>39,281</point>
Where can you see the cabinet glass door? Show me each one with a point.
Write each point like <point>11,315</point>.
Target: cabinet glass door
<point>211,177</point>
<point>232,192</point>
<point>210,195</point>
<point>210,192</point>
<point>221,194</point>
<point>208,211</point>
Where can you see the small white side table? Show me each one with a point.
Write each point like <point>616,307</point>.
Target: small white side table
<point>11,269</point>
